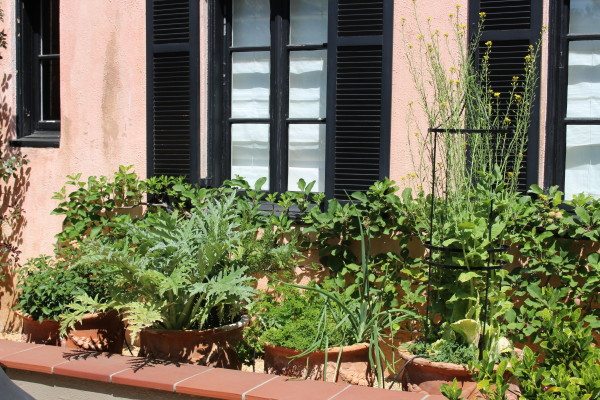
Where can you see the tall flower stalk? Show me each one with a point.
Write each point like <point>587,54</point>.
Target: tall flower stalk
<point>478,159</point>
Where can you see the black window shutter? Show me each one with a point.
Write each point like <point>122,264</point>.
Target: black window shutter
<point>359,94</point>
<point>512,25</point>
<point>172,87</point>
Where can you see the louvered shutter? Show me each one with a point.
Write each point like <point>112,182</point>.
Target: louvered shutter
<point>512,25</point>
<point>360,63</point>
<point>173,92</point>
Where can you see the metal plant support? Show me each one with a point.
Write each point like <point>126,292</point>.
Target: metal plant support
<point>438,251</point>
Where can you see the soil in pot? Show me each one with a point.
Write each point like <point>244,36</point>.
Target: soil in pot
<point>354,365</point>
<point>45,332</point>
<point>211,347</point>
<point>98,332</point>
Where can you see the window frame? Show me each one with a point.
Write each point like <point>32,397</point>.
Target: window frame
<point>220,60</point>
<point>558,74</point>
<point>32,131</point>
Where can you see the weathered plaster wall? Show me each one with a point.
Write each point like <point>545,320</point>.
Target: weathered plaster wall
<point>407,19</point>
<point>103,101</point>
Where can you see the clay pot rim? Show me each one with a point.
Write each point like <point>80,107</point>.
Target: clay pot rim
<point>424,362</point>
<point>242,323</point>
<point>30,318</point>
<point>353,348</point>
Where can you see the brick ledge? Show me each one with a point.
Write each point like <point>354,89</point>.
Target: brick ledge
<point>195,380</point>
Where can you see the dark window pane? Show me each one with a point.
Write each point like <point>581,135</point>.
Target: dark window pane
<point>50,90</point>
<point>49,23</point>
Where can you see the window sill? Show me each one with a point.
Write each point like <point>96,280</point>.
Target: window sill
<point>40,139</point>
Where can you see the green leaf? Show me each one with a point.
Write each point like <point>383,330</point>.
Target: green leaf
<point>467,276</point>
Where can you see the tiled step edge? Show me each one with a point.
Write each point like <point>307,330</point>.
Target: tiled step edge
<point>194,380</point>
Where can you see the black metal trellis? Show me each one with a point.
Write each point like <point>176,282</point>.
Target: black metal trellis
<point>436,251</point>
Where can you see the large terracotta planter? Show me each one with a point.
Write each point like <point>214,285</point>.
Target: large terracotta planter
<point>98,332</point>
<point>45,332</point>
<point>422,375</point>
<point>212,347</point>
<point>354,366</point>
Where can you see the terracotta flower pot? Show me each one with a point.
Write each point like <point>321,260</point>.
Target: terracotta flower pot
<point>98,332</point>
<point>354,365</point>
<point>45,332</point>
<point>422,375</point>
<point>212,347</point>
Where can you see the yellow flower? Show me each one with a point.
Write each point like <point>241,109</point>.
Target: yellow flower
<point>496,94</point>
<point>515,78</point>
<point>482,14</point>
<point>488,43</point>
<point>507,121</point>
<point>518,97</point>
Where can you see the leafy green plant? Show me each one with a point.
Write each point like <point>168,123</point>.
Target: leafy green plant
<point>568,366</point>
<point>288,317</point>
<point>174,272</point>
<point>48,286</point>
<point>88,205</point>
<point>472,167</point>
<point>452,391</point>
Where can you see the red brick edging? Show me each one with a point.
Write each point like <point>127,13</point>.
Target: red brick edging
<point>187,379</point>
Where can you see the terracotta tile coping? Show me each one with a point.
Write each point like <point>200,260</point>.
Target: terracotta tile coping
<point>186,379</point>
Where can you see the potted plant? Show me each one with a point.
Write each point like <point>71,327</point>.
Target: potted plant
<point>178,282</point>
<point>334,330</point>
<point>473,158</point>
<point>48,286</point>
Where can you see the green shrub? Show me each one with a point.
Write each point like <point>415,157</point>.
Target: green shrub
<point>289,317</point>
<point>49,286</point>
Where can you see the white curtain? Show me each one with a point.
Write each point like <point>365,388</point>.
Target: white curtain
<point>250,152</point>
<point>308,21</point>
<point>250,84</point>
<point>251,23</point>
<point>306,157</point>
<point>582,173</point>
<point>584,79</point>
<point>582,164</point>
<point>308,84</point>
<point>584,17</point>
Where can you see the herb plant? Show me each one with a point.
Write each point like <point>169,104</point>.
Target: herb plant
<point>48,286</point>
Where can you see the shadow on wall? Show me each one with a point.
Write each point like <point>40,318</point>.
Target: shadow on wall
<point>14,183</point>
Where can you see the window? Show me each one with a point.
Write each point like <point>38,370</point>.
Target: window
<point>297,89</point>
<point>277,58</point>
<point>38,73</point>
<point>303,90</point>
<point>578,97</point>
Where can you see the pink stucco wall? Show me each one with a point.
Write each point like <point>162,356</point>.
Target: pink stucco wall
<point>103,100</point>
<point>103,90</point>
<point>404,149</point>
